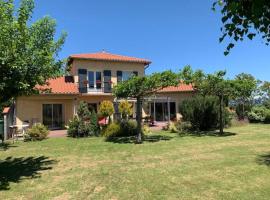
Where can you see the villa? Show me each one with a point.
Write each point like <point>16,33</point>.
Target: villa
<point>92,78</point>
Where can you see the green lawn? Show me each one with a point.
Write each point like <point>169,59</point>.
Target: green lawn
<point>168,167</point>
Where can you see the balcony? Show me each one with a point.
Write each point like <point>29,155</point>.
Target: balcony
<point>98,88</point>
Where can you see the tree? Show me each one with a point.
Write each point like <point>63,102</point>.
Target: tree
<point>139,87</point>
<point>244,87</point>
<point>125,108</point>
<point>28,52</point>
<point>244,18</point>
<point>106,109</point>
<point>210,84</point>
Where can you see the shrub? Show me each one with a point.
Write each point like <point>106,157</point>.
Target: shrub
<point>93,127</point>
<point>73,127</point>
<point>171,127</point>
<point>78,127</point>
<point>128,128</point>
<point>259,114</point>
<point>112,130</point>
<point>201,112</point>
<point>37,132</point>
<point>106,109</point>
<point>83,111</point>
<point>183,126</point>
<point>146,130</point>
<point>123,129</point>
<point>267,116</point>
<point>125,108</point>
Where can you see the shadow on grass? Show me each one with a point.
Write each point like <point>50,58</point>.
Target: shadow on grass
<point>207,133</point>
<point>132,139</point>
<point>264,159</point>
<point>6,146</point>
<point>14,170</point>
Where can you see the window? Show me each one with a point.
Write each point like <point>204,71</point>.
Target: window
<point>94,80</point>
<point>98,80</point>
<point>126,75</point>
<point>91,79</point>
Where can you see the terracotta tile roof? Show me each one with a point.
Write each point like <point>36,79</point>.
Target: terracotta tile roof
<point>6,110</point>
<point>180,88</point>
<point>61,85</point>
<point>105,56</point>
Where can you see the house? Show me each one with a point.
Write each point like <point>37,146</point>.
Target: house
<point>92,78</point>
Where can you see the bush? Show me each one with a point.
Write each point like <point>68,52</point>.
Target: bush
<point>128,128</point>
<point>171,127</point>
<point>73,127</point>
<point>183,127</point>
<point>85,124</point>
<point>146,130</point>
<point>123,129</point>
<point>93,127</point>
<point>112,130</point>
<point>125,108</point>
<point>37,132</point>
<point>259,114</point>
<point>106,109</point>
<point>201,112</point>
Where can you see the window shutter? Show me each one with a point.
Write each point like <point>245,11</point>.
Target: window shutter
<point>107,81</point>
<point>82,73</point>
<point>119,76</point>
<point>135,73</point>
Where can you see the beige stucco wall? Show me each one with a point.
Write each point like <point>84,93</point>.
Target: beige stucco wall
<point>92,65</point>
<point>30,108</point>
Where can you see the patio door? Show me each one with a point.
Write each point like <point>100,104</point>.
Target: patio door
<point>53,115</point>
<point>160,111</point>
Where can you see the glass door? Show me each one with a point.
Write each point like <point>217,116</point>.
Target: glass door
<point>53,115</point>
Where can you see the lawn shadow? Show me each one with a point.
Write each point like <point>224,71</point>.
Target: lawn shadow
<point>6,146</point>
<point>207,133</point>
<point>14,170</point>
<point>264,159</point>
<point>132,139</point>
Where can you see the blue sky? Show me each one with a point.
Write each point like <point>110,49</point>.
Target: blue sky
<point>170,33</point>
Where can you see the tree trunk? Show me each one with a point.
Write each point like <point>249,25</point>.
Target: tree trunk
<point>139,120</point>
<point>221,125</point>
<point>243,111</point>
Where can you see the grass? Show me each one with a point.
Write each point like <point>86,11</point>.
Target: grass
<point>166,166</point>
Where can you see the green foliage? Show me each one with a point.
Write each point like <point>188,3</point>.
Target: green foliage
<point>142,86</point>
<point>146,130</point>
<point>259,114</point>
<point>244,18</point>
<point>73,127</point>
<point>83,111</point>
<point>28,52</point>
<point>94,128</point>
<point>85,124</point>
<point>112,130</point>
<point>125,108</point>
<point>201,112</point>
<point>122,129</point>
<point>245,86</point>
<point>106,109</point>
<point>171,126</point>
<point>211,84</point>
<point>183,126</point>
<point>37,132</point>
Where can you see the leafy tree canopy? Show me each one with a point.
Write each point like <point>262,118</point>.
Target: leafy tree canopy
<point>139,87</point>
<point>210,84</point>
<point>244,18</point>
<point>28,52</point>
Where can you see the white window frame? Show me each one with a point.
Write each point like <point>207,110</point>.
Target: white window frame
<point>95,81</point>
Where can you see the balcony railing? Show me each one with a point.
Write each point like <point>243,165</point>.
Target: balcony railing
<point>106,88</point>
